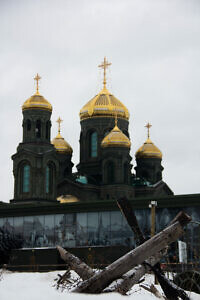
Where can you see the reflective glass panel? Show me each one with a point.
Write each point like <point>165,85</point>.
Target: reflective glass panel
<point>104,228</point>
<point>18,225</point>
<point>81,229</point>
<point>93,225</point>
<point>116,227</point>
<point>58,229</point>
<point>29,233</point>
<point>69,231</point>
<point>48,237</point>
<point>38,224</point>
<point>8,224</point>
<point>127,234</point>
<point>1,222</point>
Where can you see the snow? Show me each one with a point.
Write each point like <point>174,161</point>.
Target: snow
<point>33,286</point>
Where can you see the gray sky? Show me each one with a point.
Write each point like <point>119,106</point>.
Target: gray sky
<point>154,47</point>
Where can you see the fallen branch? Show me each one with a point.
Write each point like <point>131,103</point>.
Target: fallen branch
<point>81,268</point>
<point>137,256</point>
<point>133,276</point>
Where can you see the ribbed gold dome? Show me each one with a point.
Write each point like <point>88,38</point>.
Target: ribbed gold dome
<point>37,101</point>
<point>116,138</point>
<point>148,150</point>
<point>61,145</point>
<point>104,104</point>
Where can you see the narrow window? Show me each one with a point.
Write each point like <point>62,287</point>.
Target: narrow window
<point>110,172</point>
<point>93,144</point>
<point>47,179</point>
<point>38,129</point>
<point>47,129</point>
<point>28,125</point>
<point>26,179</point>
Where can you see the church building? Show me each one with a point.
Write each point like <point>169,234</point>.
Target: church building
<point>43,168</point>
<point>53,205</point>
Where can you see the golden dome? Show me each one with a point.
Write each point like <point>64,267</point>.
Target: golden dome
<point>37,101</point>
<point>59,142</point>
<point>148,150</point>
<point>104,104</point>
<point>61,145</point>
<point>67,199</point>
<point>116,138</point>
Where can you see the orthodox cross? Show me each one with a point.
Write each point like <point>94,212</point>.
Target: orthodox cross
<point>148,126</point>
<point>37,78</point>
<point>105,64</point>
<point>59,121</point>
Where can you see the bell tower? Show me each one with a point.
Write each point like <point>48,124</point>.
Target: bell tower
<point>34,164</point>
<point>148,158</point>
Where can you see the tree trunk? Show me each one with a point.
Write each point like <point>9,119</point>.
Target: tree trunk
<point>81,268</point>
<point>133,276</point>
<point>101,280</point>
<point>128,213</point>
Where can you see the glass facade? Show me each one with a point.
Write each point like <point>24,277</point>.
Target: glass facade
<point>71,230</point>
<point>101,228</point>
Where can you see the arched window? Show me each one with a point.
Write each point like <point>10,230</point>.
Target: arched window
<point>110,172</point>
<point>28,125</point>
<point>93,144</point>
<point>26,178</point>
<point>49,178</point>
<point>38,129</point>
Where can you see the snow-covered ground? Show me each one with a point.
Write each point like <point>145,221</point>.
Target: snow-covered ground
<point>33,286</point>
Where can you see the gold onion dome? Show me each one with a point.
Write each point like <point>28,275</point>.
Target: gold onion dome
<point>59,142</point>
<point>37,101</point>
<point>148,149</point>
<point>104,104</point>
<point>116,138</point>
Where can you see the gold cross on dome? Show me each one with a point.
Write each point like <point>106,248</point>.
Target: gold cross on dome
<point>148,126</point>
<point>59,121</point>
<point>105,64</point>
<point>37,78</point>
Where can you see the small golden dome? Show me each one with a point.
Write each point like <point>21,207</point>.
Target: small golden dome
<point>148,150</point>
<point>104,104</point>
<point>59,142</point>
<point>67,199</point>
<point>37,101</point>
<point>61,145</point>
<point>116,138</point>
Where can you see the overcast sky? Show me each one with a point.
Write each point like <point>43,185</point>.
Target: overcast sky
<point>154,47</point>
